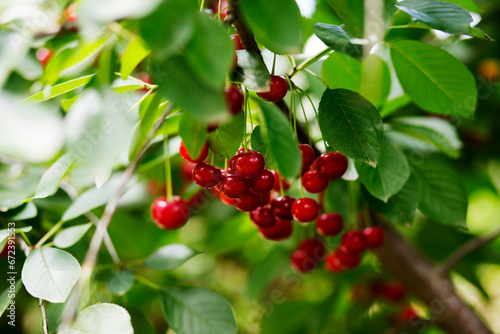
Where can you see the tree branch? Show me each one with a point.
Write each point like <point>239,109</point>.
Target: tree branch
<point>467,248</point>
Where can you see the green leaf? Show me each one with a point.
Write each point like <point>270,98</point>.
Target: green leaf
<point>251,72</point>
<point>8,295</point>
<point>59,89</point>
<point>197,310</point>
<point>102,318</point>
<point>179,83</point>
<point>53,176</point>
<point>389,176</point>
<point>23,212</point>
<point>135,52</point>
<point>401,207</point>
<point>445,16</point>
<point>435,80</point>
<point>5,232</point>
<point>280,139</point>
<point>170,257</point>
<point>269,28</point>
<point>342,71</point>
<point>336,38</point>
<point>119,282</point>
<point>193,134</point>
<point>434,131</point>
<point>148,113</point>
<point>444,196</point>
<point>467,4</point>
<point>394,105</point>
<point>114,10</point>
<point>50,274</point>
<point>351,125</point>
<point>70,236</point>
<point>351,12</point>
<point>259,144</point>
<point>375,80</point>
<point>280,322</point>
<point>170,26</point>
<point>210,52</point>
<point>226,139</point>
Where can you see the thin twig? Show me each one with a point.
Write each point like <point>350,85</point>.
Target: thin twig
<point>98,237</point>
<point>44,317</point>
<point>467,248</point>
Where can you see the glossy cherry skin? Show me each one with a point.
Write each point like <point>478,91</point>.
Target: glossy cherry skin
<point>313,182</point>
<point>234,99</point>
<point>263,183</point>
<point>314,247</point>
<point>248,165</point>
<point>329,224</point>
<point>234,187</point>
<point>307,155</point>
<point>248,203</point>
<point>331,165</point>
<point>263,217</point>
<point>284,182</point>
<point>354,241</point>
<point>302,262</point>
<point>226,200</point>
<point>170,215</point>
<point>282,207</point>
<point>264,199</point>
<point>333,264</point>
<point>185,154</point>
<point>374,237</point>
<point>237,42</point>
<point>206,176</point>
<point>279,88</point>
<point>44,55</point>
<point>347,258</point>
<point>281,230</point>
<point>305,210</point>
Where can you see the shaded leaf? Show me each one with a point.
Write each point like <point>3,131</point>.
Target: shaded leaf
<point>135,52</point>
<point>102,318</point>
<point>170,257</point>
<point>53,176</point>
<point>59,89</point>
<point>193,134</point>
<point>119,282</point>
<point>251,72</point>
<point>226,139</point>
<point>70,236</point>
<point>336,38</point>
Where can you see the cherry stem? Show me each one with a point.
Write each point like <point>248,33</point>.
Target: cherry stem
<point>168,168</point>
<point>293,108</point>
<point>314,108</point>
<point>305,116</point>
<point>202,6</point>
<point>309,61</point>
<point>245,116</point>
<point>247,105</point>
<point>282,192</point>
<point>274,64</point>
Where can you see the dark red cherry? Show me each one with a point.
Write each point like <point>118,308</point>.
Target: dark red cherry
<point>248,165</point>
<point>314,247</point>
<point>313,182</point>
<point>282,207</point>
<point>234,187</point>
<point>264,199</point>
<point>212,127</point>
<point>331,165</point>
<point>281,230</point>
<point>333,264</point>
<point>248,203</point>
<point>284,182</point>
<point>185,154</point>
<point>393,291</point>
<point>237,42</point>
<point>234,99</point>
<point>302,262</point>
<point>307,155</point>
<point>263,183</point>
<point>263,217</point>
<point>278,90</point>
<point>329,224</point>
<point>354,241</point>
<point>347,258</point>
<point>206,176</point>
<point>374,237</point>
<point>170,215</point>
<point>225,199</point>
<point>305,210</point>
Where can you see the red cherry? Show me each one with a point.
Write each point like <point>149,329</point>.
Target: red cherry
<point>313,182</point>
<point>263,217</point>
<point>347,258</point>
<point>302,262</point>
<point>333,264</point>
<point>263,183</point>
<point>248,203</point>
<point>146,78</point>
<point>69,13</point>
<point>170,215</point>
<point>185,154</point>
<point>374,237</point>
<point>264,199</point>
<point>305,210</point>
<point>234,187</point>
<point>314,247</point>
<point>280,231</point>
<point>331,165</point>
<point>329,224</point>
<point>237,42</point>
<point>282,207</point>
<point>223,6</point>
<point>206,176</point>
<point>278,90</point>
<point>225,199</point>
<point>392,291</point>
<point>307,155</point>
<point>197,201</point>
<point>44,55</point>
<point>212,127</point>
<point>354,241</point>
<point>248,165</point>
<point>187,170</point>
<point>284,182</point>
<point>406,314</point>
<point>234,99</point>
